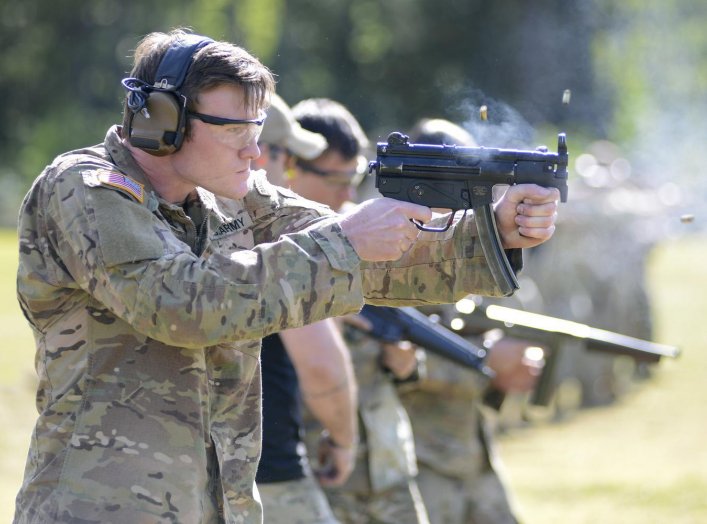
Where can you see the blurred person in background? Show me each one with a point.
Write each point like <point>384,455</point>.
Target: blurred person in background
<point>310,363</point>
<point>460,473</point>
<point>586,290</point>
<point>382,487</point>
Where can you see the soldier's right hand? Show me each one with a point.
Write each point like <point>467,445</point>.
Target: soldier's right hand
<point>380,229</point>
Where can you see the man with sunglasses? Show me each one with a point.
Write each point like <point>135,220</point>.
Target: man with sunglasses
<point>309,365</point>
<point>332,177</point>
<point>382,486</point>
<point>152,264</point>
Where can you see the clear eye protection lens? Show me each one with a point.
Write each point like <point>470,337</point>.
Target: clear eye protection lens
<point>236,133</point>
<point>237,136</point>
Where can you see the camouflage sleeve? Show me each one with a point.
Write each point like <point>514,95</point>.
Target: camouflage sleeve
<point>278,212</point>
<point>128,261</point>
<point>439,268</point>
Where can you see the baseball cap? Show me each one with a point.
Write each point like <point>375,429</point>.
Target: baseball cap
<point>281,128</point>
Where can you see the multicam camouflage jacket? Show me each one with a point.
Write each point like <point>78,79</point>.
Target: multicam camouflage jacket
<point>447,420</point>
<point>386,452</point>
<point>148,319</point>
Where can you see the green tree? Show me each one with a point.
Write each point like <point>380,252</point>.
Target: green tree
<point>652,56</point>
<point>390,61</point>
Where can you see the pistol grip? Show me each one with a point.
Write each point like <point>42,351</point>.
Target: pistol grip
<point>545,387</point>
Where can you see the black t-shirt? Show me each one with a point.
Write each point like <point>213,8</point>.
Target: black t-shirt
<point>284,455</point>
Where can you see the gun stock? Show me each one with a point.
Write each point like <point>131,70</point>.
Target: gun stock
<point>462,178</point>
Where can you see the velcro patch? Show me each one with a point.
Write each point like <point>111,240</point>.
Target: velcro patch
<point>105,177</point>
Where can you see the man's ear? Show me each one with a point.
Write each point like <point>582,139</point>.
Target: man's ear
<point>290,174</point>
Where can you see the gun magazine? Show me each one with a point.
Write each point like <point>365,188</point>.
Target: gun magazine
<point>496,258</point>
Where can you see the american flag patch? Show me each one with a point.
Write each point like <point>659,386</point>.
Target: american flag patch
<point>120,181</point>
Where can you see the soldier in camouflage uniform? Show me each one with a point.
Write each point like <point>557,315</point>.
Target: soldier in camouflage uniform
<point>149,281</point>
<point>310,364</point>
<point>382,487</point>
<point>460,473</point>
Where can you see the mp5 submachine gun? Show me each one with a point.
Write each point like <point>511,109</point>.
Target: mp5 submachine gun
<point>462,178</point>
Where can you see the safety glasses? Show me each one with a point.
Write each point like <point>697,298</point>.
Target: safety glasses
<point>236,133</point>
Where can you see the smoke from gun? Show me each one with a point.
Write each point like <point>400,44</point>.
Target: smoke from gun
<point>494,123</point>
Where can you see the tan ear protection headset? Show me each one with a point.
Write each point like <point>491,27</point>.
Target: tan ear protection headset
<point>157,120</point>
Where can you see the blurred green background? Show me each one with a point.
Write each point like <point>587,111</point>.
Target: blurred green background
<point>636,123</point>
<point>637,70</point>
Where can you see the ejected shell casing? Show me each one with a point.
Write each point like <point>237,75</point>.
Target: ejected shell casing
<point>566,97</point>
<point>484,113</point>
<point>687,219</point>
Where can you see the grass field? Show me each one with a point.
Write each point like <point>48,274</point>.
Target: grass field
<point>642,460</point>
<point>17,382</point>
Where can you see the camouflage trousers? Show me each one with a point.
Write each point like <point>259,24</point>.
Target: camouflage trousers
<point>401,504</point>
<point>480,499</point>
<point>295,502</point>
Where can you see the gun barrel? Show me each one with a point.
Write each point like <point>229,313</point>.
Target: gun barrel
<point>534,325</point>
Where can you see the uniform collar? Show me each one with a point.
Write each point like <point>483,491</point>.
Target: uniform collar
<point>122,158</point>
<point>125,162</point>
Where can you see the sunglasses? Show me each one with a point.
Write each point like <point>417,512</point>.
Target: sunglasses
<point>339,178</point>
<point>236,133</point>
<point>220,121</point>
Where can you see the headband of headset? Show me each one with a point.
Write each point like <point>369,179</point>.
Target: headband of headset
<point>158,119</point>
<point>173,68</point>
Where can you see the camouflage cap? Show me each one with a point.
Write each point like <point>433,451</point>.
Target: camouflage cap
<point>281,128</point>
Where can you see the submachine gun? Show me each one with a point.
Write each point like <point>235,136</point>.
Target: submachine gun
<point>392,324</point>
<point>462,178</point>
<point>546,330</point>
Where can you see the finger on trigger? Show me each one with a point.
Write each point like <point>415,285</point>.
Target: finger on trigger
<point>416,211</point>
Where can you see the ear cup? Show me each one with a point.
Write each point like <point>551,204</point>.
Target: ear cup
<point>158,120</point>
<point>163,132</point>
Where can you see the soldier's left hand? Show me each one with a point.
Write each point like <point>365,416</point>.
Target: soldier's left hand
<point>526,215</point>
<point>516,364</point>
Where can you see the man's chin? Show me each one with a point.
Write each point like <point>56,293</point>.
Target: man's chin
<point>236,189</point>
<point>239,192</point>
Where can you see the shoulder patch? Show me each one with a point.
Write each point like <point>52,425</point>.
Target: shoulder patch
<point>115,179</point>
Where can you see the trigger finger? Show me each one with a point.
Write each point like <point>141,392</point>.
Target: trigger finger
<point>410,231</point>
<point>412,235</point>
